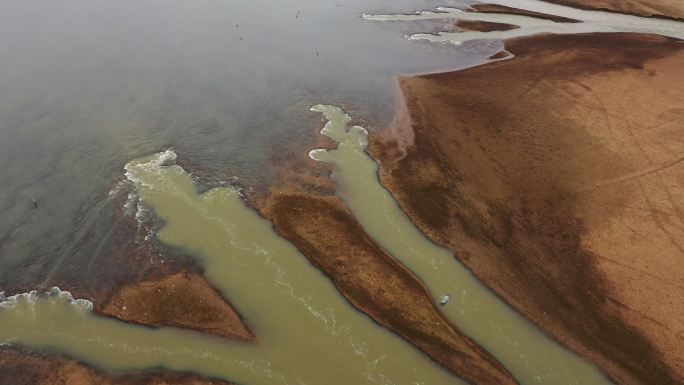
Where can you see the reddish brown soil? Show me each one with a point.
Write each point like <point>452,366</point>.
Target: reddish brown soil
<point>23,367</point>
<point>499,55</point>
<point>557,177</point>
<point>484,26</point>
<point>652,8</point>
<point>375,283</point>
<point>183,300</point>
<point>495,8</point>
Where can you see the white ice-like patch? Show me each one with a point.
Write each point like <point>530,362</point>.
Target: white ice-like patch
<point>33,296</point>
<point>362,135</point>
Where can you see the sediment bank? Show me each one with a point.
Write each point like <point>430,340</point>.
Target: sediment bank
<point>484,26</point>
<point>185,300</point>
<point>22,366</point>
<point>554,176</point>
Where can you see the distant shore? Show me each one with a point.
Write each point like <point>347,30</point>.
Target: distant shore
<point>666,9</point>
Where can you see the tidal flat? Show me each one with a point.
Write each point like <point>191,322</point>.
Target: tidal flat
<point>368,193</point>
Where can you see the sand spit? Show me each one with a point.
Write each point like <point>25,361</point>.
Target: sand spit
<point>484,26</point>
<point>304,210</point>
<point>673,9</point>
<point>557,178</point>
<point>21,366</point>
<point>185,300</point>
<point>158,288</point>
<point>375,283</point>
<point>496,8</point>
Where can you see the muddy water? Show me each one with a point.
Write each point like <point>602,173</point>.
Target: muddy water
<point>530,355</point>
<point>590,21</point>
<point>307,333</point>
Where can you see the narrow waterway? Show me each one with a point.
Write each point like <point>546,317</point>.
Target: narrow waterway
<point>531,356</point>
<point>307,333</point>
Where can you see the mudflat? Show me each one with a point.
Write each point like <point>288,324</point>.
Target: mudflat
<point>185,300</point>
<point>24,367</point>
<point>557,177</point>
<point>651,8</point>
<point>496,8</point>
<point>375,283</point>
<point>484,26</point>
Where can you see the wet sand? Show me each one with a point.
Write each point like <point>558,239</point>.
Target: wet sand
<point>22,366</point>
<point>185,300</point>
<point>556,177</point>
<point>148,284</point>
<point>650,8</point>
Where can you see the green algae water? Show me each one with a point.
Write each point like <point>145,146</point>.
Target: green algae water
<point>527,353</point>
<point>306,332</point>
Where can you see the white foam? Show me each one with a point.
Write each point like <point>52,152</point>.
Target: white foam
<point>362,135</point>
<point>32,297</point>
<point>130,207</point>
<point>155,162</point>
<point>315,154</point>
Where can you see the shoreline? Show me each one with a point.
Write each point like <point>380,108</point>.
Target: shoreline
<point>586,5</point>
<point>26,366</point>
<point>392,153</point>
